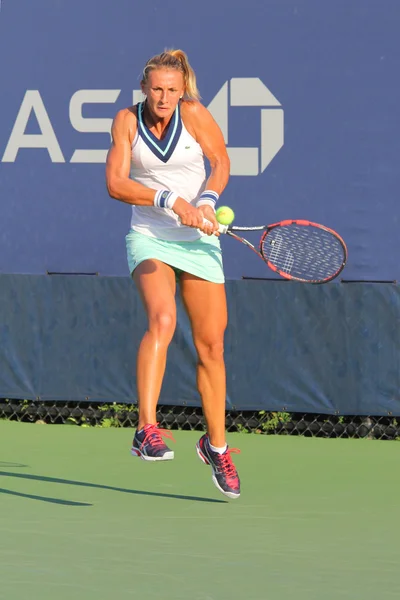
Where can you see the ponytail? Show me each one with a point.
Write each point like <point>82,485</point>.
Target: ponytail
<point>192,93</point>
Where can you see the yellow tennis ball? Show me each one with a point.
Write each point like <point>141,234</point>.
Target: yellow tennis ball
<point>224,215</point>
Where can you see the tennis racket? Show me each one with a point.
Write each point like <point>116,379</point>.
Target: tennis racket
<point>297,249</point>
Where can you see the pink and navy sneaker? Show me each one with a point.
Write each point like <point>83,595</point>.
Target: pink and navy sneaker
<point>225,475</point>
<point>149,445</point>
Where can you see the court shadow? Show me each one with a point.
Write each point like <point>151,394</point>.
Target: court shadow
<point>13,465</point>
<point>44,498</point>
<point>109,487</point>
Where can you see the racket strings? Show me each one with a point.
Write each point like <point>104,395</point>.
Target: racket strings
<point>303,252</point>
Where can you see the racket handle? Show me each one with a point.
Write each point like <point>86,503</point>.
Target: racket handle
<point>221,228</point>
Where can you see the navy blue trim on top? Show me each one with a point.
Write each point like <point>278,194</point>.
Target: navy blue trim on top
<point>164,148</point>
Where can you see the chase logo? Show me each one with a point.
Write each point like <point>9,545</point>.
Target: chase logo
<point>245,92</point>
<point>237,92</point>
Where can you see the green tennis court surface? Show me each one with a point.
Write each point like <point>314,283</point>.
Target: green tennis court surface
<point>82,519</point>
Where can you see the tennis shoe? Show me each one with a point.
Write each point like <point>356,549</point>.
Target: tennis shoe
<point>149,445</point>
<point>224,473</point>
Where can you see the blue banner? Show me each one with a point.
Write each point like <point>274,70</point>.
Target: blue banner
<point>306,94</point>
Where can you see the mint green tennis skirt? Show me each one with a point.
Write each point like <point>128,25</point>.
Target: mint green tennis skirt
<point>201,257</point>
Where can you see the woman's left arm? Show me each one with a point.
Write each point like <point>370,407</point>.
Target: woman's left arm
<point>207,133</point>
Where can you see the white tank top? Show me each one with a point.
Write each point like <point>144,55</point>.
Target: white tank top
<point>174,163</point>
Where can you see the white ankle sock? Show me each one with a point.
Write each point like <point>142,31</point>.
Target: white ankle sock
<point>219,450</point>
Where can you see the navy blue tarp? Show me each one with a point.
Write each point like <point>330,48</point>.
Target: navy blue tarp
<point>301,348</point>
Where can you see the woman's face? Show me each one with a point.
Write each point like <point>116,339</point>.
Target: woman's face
<point>163,88</point>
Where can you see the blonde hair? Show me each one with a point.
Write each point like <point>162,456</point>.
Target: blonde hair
<point>178,61</point>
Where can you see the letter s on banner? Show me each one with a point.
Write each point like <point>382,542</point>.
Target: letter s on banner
<point>90,125</point>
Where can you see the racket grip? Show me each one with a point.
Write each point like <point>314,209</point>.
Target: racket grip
<point>221,228</point>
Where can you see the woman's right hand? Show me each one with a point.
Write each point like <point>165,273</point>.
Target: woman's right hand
<point>191,216</point>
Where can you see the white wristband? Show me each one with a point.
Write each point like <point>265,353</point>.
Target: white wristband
<point>164,199</point>
<point>208,197</point>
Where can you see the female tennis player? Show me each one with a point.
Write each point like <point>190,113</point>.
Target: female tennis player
<point>156,164</point>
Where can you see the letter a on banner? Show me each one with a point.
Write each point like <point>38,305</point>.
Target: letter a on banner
<point>46,139</point>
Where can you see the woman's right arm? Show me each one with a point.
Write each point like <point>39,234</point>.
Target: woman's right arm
<point>119,184</point>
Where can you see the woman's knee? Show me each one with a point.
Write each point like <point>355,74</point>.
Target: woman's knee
<point>210,350</point>
<point>162,323</point>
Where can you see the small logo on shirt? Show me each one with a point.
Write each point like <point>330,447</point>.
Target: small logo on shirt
<point>187,147</point>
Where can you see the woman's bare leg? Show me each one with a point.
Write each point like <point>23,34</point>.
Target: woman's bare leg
<point>205,303</point>
<point>156,284</point>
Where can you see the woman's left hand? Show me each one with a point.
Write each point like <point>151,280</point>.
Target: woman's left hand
<point>209,214</point>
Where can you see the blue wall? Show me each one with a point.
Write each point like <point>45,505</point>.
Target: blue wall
<point>306,92</point>
<point>332,70</point>
<point>320,349</point>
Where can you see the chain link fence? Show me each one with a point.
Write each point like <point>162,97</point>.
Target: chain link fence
<point>87,414</point>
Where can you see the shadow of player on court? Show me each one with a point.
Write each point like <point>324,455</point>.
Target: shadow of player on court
<point>44,498</point>
<point>14,465</point>
<point>56,480</point>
